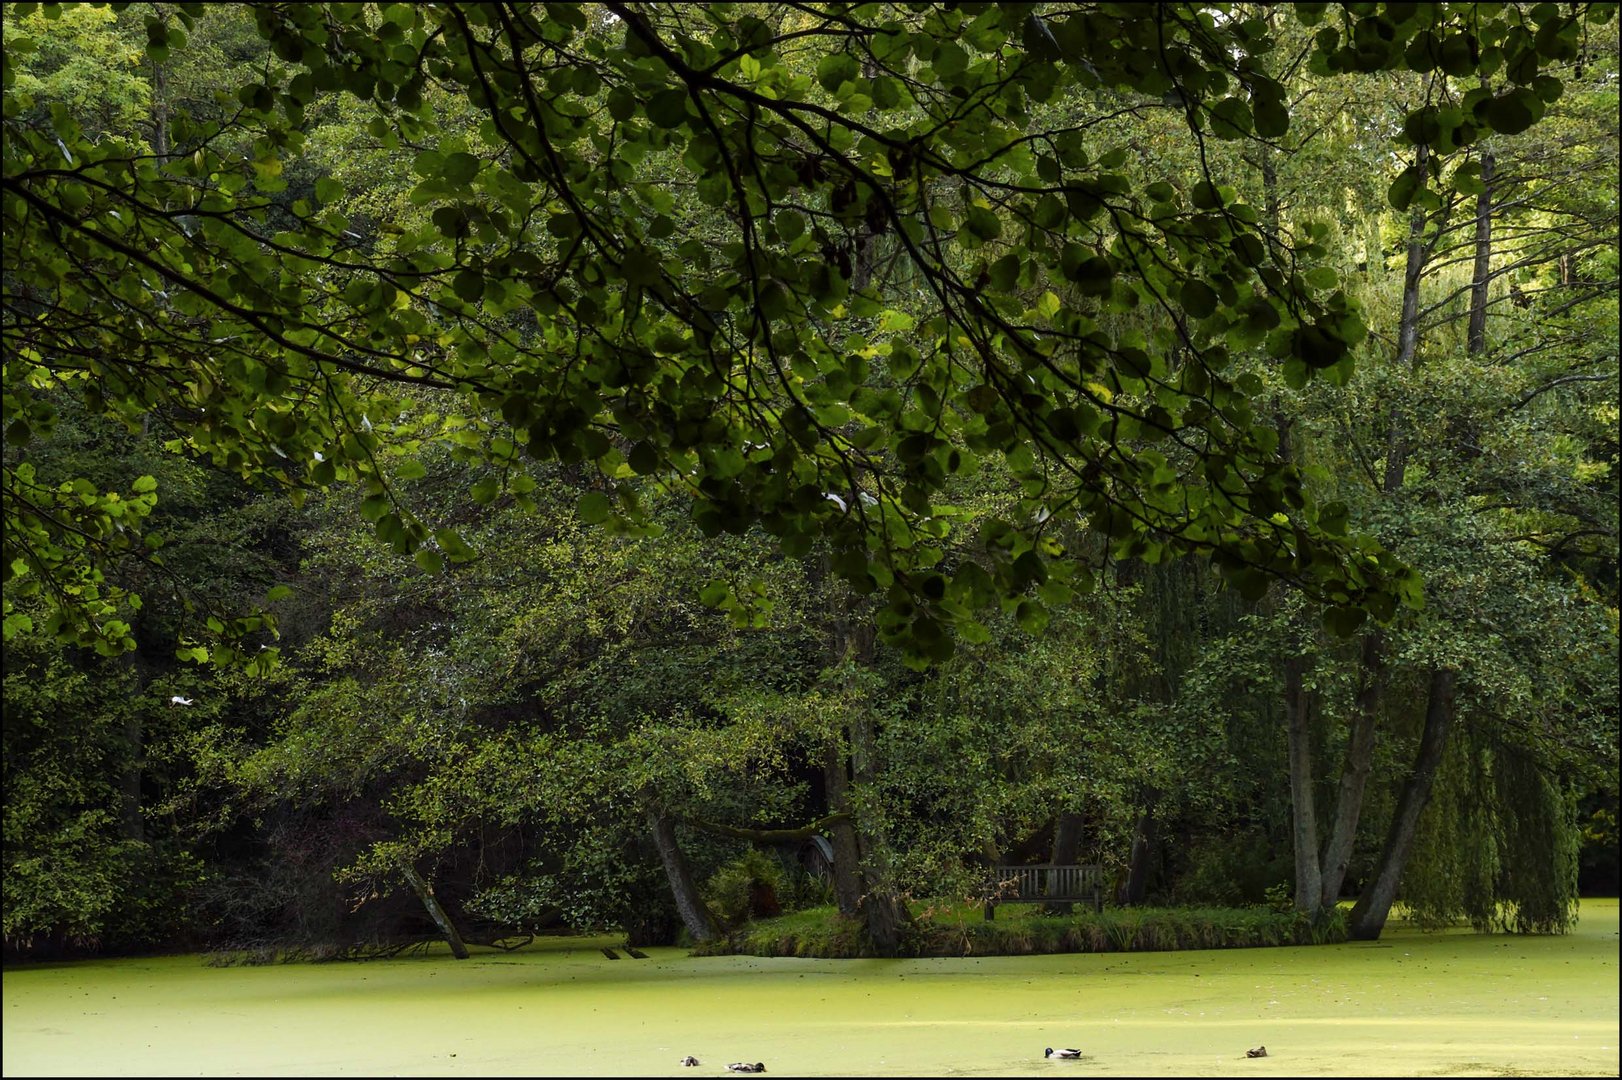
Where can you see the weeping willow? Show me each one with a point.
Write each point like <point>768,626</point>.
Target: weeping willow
<point>1539,837</point>
<point>1498,844</point>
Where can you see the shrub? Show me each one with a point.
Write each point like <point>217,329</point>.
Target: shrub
<point>746,888</point>
<point>1233,870</point>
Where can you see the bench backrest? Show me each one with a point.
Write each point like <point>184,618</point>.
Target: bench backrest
<point>1046,881</point>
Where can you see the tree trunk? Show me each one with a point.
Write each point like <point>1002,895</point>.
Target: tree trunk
<point>1137,875</point>
<point>884,914</point>
<point>990,851</point>
<point>1360,749</point>
<point>1354,774</point>
<point>1297,705</point>
<point>425,893</point>
<point>842,833</point>
<point>160,110</point>
<point>1374,905</point>
<point>1304,816</point>
<point>1270,203</point>
<point>1477,340</point>
<point>689,905</point>
<point>868,890</point>
<point>1318,881</point>
<point>1396,461</point>
<point>131,823</point>
<point>1066,846</point>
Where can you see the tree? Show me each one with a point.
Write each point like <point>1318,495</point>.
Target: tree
<point>1430,489</point>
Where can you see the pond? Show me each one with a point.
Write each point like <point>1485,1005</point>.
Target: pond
<point>1455,1003</point>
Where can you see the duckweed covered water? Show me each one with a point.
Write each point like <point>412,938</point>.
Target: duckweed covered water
<point>1412,1004</point>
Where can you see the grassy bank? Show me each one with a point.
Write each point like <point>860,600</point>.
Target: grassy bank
<point>1022,930</point>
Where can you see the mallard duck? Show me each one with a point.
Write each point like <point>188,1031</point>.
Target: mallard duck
<point>1066,1053</point>
<point>691,1060</point>
<point>744,1066</point>
<point>1260,1051</point>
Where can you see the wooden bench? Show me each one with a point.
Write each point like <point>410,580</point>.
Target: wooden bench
<point>1045,883</point>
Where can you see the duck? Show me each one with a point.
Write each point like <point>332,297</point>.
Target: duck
<point>691,1060</point>
<point>1065,1053</point>
<point>744,1066</point>
<point>1260,1051</point>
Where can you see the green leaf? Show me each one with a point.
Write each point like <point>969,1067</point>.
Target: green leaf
<point>1206,195</point>
<point>375,506</point>
<point>1344,621</point>
<point>1513,112</point>
<point>1467,179</point>
<point>643,458</point>
<point>949,60</point>
<point>459,168</point>
<point>452,544</point>
<point>469,285</point>
<point>1005,272</point>
<point>1198,298</point>
<point>895,322</point>
<point>593,508</point>
<point>1094,276</point>
<point>714,593</point>
<point>983,223</point>
<point>668,108</point>
<point>1272,119</point>
<point>1402,189</point>
<point>621,104</point>
<point>1031,616</point>
<point>1322,278</point>
<point>1317,346</point>
<point>837,68</point>
<point>1230,118</point>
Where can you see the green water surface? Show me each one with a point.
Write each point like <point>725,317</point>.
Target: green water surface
<point>1412,1004</point>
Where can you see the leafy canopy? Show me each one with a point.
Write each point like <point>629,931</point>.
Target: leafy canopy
<point>650,242</point>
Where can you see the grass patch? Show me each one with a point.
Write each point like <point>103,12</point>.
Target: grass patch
<point>1022,930</point>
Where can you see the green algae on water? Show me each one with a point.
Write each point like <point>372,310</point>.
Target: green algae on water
<point>1454,1003</point>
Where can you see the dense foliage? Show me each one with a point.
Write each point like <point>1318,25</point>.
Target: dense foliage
<point>526,461</point>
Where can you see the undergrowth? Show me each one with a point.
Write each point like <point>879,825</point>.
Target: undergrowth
<point>1022,929</point>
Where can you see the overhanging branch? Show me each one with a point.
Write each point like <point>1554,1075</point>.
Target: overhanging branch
<point>771,836</point>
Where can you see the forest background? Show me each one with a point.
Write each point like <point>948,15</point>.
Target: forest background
<point>593,664</point>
